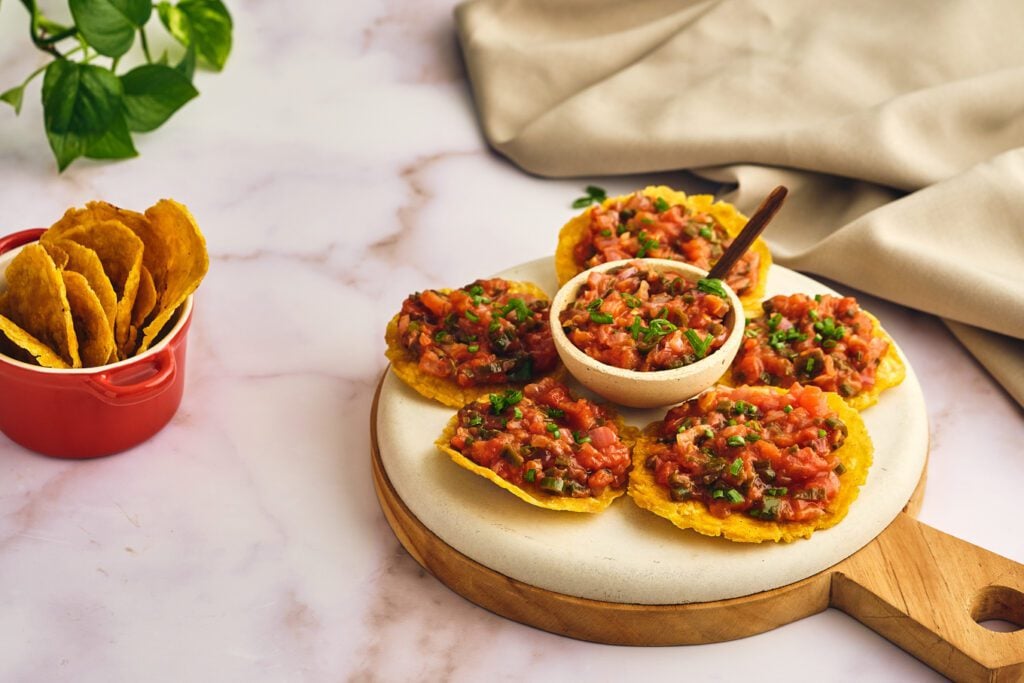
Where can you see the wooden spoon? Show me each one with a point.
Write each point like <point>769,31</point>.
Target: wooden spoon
<point>757,223</point>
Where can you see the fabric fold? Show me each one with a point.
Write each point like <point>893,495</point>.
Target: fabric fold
<point>898,128</point>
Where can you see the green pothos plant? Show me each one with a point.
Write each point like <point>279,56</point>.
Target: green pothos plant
<point>92,103</point>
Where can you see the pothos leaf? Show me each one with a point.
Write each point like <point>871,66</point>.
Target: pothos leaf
<point>82,104</point>
<point>109,26</point>
<point>202,24</point>
<point>152,93</point>
<point>187,65</point>
<point>114,143</point>
<point>14,97</point>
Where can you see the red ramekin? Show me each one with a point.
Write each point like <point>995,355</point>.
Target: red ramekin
<point>89,412</point>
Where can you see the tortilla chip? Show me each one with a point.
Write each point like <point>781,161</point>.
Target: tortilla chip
<point>120,252</point>
<point>36,303</point>
<point>726,214</point>
<point>145,302</point>
<point>406,366</point>
<point>181,262</point>
<point>60,256</point>
<point>891,370</point>
<point>95,338</point>
<point>85,262</point>
<point>548,502</point>
<point>855,454</point>
<point>18,344</point>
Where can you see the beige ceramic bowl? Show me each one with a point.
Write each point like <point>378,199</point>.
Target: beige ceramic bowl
<point>646,389</point>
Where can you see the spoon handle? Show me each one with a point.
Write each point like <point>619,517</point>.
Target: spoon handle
<point>757,223</point>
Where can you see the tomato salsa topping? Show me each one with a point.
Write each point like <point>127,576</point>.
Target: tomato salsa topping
<point>824,340</point>
<point>542,439</point>
<point>742,450</point>
<point>637,318</point>
<point>651,227</point>
<point>483,333</point>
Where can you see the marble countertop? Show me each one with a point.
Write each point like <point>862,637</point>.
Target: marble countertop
<point>335,167</point>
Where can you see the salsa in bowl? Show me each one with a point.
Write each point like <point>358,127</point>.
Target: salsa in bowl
<point>646,332</point>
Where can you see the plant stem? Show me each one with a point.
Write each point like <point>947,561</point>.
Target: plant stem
<point>145,44</point>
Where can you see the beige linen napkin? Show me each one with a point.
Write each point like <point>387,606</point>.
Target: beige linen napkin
<point>897,126</point>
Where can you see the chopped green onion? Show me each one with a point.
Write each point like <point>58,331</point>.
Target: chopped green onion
<point>734,496</point>
<point>530,475</point>
<point>518,413</point>
<point>522,311</point>
<point>580,438</point>
<point>735,441</point>
<point>473,348</point>
<point>634,328</point>
<point>601,318</point>
<point>472,317</point>
<point>787,409</point>
<point>661,205</point>
<point>501,401</point>
<point>718,493</point>
<point>554,412</point>
<point>552,484</point>
<point>646,244</point>
<point>631,300</point>
<point>700,346</point>
<point>712,286</point>
<point>736,467</point>
<point>821,433</point>
<point>553,429</point>
<point>475,421</point>
<point>708,433</point>
<point>705,232</point>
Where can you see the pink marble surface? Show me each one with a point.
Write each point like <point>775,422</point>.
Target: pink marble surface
<point>336,166</point>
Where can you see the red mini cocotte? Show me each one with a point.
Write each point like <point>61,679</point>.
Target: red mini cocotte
<point>89,412</point>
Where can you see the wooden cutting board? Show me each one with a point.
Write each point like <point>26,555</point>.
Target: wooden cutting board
<point>654,585</point>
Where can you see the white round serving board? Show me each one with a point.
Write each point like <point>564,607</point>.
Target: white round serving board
<point>625,554</point>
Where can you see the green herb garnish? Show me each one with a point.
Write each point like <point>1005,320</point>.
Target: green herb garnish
<point>700,346</point>
<point>594,195</point>
<point>509,398</point>
<point>736,467</point>
<point>712,286</point>
<point>519,307</point>
<point>647,244</point>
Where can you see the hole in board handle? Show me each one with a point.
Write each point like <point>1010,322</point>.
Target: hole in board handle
<point>999,608</point>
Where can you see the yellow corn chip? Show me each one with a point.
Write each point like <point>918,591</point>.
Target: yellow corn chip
<point>406,365</point>
<point>574,231</point>
<point>120,251</point>
<point>95,338</point>
<point>85,262</point>
<point>185,263</point>
<point>539,498</point>
<point>36,302</point>
<point>855,454</point>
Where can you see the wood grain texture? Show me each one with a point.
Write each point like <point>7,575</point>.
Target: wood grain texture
<point>921,589</point>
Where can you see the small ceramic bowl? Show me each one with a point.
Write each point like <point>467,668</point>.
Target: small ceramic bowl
<point>88,412</point>
<point>638,389</point>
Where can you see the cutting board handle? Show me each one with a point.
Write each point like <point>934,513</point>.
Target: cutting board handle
<point>927,591</point>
